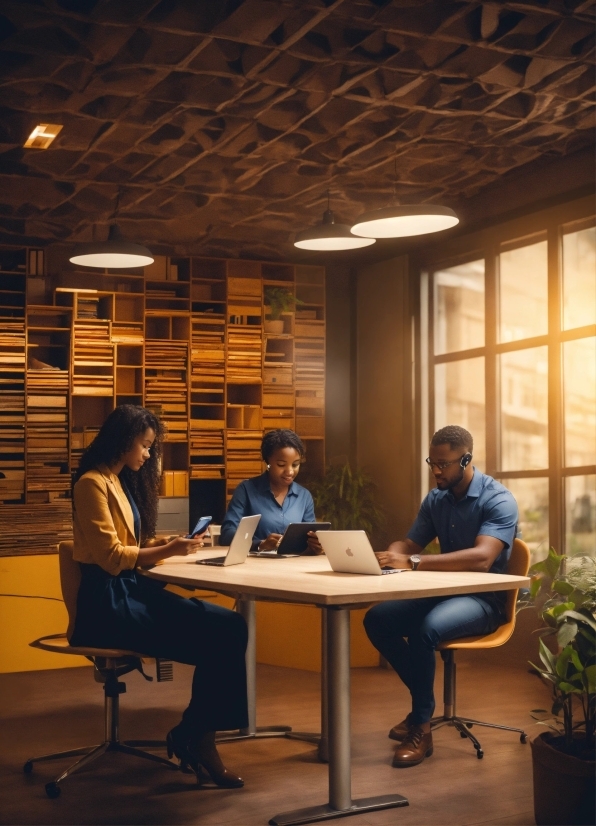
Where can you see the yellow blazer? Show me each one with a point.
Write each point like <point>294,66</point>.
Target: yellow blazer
<point>103,524</point>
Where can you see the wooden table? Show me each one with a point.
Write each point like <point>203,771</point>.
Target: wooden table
<point>310,580</point>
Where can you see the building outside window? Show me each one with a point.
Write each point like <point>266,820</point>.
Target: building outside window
<point>512,358</point>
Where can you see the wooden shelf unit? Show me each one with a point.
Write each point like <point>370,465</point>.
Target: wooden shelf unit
<point>186,338</point>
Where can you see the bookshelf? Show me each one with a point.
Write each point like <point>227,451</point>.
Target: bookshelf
<point>185,337</point>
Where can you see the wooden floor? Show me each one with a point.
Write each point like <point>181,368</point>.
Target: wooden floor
<point>52,710</point>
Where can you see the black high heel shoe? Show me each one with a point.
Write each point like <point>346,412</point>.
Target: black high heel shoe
<point>205,752</point>
<point>177,745</point>
<point>203,755</point>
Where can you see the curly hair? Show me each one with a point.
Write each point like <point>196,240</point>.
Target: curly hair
<point>116,436</point>
<point>455,437</point>
<point>280,438</point>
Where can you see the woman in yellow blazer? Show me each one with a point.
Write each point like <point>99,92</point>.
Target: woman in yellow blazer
<point>115,499</point>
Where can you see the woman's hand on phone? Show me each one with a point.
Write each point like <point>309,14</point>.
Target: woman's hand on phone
<point>181,546</point>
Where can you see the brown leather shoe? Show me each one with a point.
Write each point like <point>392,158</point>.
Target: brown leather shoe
<point>400,730</point>
<point>413,749</point>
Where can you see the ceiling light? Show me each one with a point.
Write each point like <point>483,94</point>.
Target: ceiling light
<point>329,236</point>
<point>115,253</point>
<point>402,221</point>
<point>42,136</point>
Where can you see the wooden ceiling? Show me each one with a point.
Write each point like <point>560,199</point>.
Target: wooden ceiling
<point>220,124</point>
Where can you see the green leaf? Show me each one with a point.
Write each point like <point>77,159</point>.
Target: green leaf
<point>562,587</point>
<point>582,618</point>
<point>568,688</point>
<point>590,678</point>
<point>558,610</point>
<point>566,633</point>
<point>576,660</point>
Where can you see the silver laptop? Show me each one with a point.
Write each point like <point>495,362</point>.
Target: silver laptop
<point>240,544</point>
<point>350,552</point>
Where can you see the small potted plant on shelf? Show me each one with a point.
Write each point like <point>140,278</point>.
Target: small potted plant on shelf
<point>563,756</point>
<point>279,300</point>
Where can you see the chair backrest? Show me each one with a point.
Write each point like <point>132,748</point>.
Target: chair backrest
<point>70,580</point>
<point>519,562</point>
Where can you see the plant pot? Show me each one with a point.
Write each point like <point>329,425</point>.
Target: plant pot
<point>563,786</point>
<point>276,327</point>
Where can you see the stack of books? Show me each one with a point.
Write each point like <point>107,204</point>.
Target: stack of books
<point>12,410</point>
<point>93,359</point>
<point>48,476</point>
<point>35,529</point>
<point>166,363</point>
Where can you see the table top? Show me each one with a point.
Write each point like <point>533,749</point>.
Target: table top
<point>309,579</point>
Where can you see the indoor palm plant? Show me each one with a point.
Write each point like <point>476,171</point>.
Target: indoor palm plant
<point>348,498</point>
<point>563,756</point>
<point>279,300</point>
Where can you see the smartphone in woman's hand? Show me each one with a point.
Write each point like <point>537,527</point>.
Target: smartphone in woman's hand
<point>200,527</point>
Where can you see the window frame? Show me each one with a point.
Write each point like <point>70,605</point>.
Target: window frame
<point>550,225</point>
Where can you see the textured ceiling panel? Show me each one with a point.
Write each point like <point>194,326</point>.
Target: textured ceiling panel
<point>218,126</point>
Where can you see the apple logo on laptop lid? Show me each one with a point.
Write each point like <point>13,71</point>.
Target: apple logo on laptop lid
<point>349,552</point>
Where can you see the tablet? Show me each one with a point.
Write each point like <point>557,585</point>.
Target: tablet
<point>294,540</point>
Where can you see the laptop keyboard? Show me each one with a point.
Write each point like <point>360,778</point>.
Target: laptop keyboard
<point>214,560</point>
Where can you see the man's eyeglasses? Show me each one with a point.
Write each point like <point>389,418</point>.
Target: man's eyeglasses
<point>443,465</point>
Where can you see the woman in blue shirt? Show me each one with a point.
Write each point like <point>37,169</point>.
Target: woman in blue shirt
<point>274,494</point>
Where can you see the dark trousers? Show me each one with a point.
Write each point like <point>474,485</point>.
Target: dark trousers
<point>424,623</point>
<point>132,612</point>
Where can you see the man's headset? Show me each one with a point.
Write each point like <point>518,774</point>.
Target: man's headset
<point>465,460</point>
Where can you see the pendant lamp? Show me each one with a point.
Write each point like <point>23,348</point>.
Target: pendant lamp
<point>402,221</point>
<point>115,253</point>
<point>397,221</point>
<point>330,236</point>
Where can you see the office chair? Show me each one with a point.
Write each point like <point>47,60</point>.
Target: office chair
<point>518,564</point>
<point>108,665</point>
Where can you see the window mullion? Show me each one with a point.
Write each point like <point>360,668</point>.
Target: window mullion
<point>491,377</point>
<point>555,392</point>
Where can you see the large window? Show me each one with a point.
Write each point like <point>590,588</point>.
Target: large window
<point>512,358</point>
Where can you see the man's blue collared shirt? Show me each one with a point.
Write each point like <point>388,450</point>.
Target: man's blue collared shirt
<point>487,509</point>
<point>255,496</point>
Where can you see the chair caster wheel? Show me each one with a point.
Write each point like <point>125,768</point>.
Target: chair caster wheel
<point>28,767</point>
<point>53,790</point>
<point>462,734</point>
<point>523,738</point>
<point>479,754</point>
<point>469,725</point>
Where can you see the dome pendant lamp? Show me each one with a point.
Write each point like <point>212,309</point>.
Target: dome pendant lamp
<point>330,236</point>
<point>113,254</point>
<point>399,221</point>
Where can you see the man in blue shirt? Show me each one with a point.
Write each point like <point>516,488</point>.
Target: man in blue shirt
<point>475,520</point>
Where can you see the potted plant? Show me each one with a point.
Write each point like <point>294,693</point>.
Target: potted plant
<point>348,498</point>
<point>563,756</point>
<point>279,300</point>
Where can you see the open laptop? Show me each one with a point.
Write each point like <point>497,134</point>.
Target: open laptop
<point>239,546</point>
<point>350,552</point>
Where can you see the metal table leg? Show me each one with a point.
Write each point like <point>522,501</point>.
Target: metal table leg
<point>321,739</point>
<point>340,785</point>
<point>246,607</point>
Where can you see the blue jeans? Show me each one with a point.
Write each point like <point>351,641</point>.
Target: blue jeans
<point>425,623</point>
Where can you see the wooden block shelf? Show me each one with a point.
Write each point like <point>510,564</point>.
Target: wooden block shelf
<point>184,337</point>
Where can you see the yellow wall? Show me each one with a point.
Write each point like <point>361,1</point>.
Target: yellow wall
<point>24,620</point>
<point>287,635</point>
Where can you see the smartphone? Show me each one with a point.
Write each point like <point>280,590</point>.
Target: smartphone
<point>201,525</point>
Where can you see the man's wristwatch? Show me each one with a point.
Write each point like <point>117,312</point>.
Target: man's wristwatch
<point>415,561</point>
